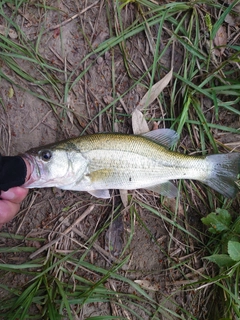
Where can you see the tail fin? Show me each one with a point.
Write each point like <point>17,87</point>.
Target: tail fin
<point>226,168</point>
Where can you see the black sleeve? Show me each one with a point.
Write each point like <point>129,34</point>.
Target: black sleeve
<point>13,172</point>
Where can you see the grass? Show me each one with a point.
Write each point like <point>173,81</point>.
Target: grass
<point>200,104</point>
<point>60,287</point>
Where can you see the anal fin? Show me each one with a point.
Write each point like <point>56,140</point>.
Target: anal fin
<point>166,189</point>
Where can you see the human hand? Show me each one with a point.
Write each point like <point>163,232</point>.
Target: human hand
<point>10,203</point>
<point>10,200</point>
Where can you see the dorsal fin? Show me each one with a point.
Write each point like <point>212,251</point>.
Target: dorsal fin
<point>165,137</point>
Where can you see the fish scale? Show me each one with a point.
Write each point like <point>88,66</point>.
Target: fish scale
<point>143,172</point>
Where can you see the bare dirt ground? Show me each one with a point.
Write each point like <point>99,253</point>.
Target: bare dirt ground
<point>28,121</point>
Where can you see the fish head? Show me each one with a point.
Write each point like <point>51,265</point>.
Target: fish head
<point>54,167</point>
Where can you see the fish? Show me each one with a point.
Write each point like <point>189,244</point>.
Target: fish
<point>99,162</point>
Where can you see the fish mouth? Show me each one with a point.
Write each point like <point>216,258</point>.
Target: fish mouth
<point>35,170</point>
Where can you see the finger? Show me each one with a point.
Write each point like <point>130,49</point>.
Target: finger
<point>8,210</point>
<point>15,195</point>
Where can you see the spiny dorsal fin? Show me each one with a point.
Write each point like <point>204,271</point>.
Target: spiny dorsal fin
<point>165,137</point>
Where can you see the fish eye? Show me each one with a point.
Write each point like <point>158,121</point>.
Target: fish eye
<point>45,155</point>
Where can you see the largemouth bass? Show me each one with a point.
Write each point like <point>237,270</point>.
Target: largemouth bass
<point>99,162</point>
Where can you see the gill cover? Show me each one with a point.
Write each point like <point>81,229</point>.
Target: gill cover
<point>55,167</point>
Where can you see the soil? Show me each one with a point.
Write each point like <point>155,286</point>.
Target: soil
<point>28,121</point>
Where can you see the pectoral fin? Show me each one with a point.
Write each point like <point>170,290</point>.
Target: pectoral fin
<point>104,194</point>
<point>97,178</point>
<point>166,189</point>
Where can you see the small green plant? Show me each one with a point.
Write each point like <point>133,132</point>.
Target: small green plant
<point>220,222</point>
<point>226,232</point>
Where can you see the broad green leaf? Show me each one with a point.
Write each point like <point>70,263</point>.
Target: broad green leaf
<point>219,221</point>
<point>222,260</point>
<point>236,226</point>
<point>234,250</point>
<point>225,215</point>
